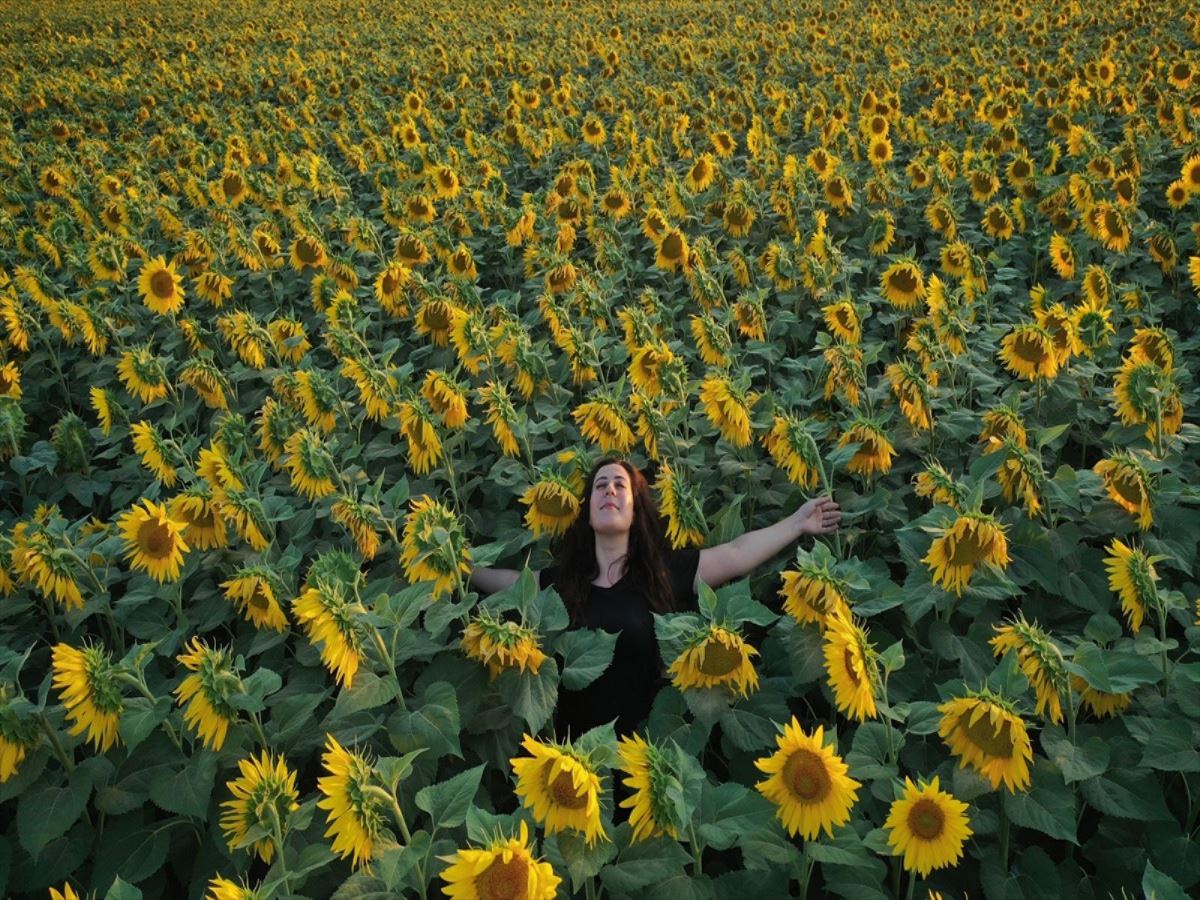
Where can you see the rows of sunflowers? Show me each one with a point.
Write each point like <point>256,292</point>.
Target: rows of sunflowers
<point>308,307</point>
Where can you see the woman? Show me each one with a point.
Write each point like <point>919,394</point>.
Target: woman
<point>616,568</point>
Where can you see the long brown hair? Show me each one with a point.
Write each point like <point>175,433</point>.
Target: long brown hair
<point>645,561</point>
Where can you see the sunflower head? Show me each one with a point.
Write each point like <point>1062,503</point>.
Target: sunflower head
<point>984,732</point>
<point>851,662</point>
<point>651,773</point>
<point>264,797</point>
<point>1131,574</point>
<point>808,783</point>
<point>1040,661</point>
<point>716,657</point>
<point>1128,485</point>
<point>560,787</point>
<point>433,547</point>
<point>928,827</point>
<point>552,506</point>
<point>154,540</point>
<point>205,693</point>
<point>355,814</point>
<point>88,684</point>
<point>506,868</point>
<point>502,645</point>
<point>973,539</point>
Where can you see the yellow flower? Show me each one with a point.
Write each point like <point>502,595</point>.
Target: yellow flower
<point>850,662</point>
<point>10,380</point>
<point>928,826</point>
<point>312,468</point>
<point>552,504</point>
<point>67,893</point>
<point>153,540</point>
<point>224,889</point>
<point>1062,256</point>
<point>103,404</point>
<point>1131,574</point>
<point>161,286</point>
<point>842,319</point>
<point>153,450</point>
<point>18,735</point>
<point>206,692</point>
<point>808,783</point>
<point>650,774</point>
<point>1101,703</point>
<point>728,408</point>
<point>602,421</point>
<point>506,869</point>
<point>560,788</point>
<point>938,485</point>
<point>356,519</point>
<point>355,813</point>
<point>902,284</point>
<point>1001,424</point>
<point>142,375</point>
<point>972,540</point>
<point>446,398</point>
<point>307,252</point>
<point>1152,345</point>
<point>680,505</point>
<point>672,251</point>
<point>87,684</point>
<point>1128,485</point>
<point>253,592</point>
<point>36,558</point>
<point>329,619</point>
<point>433,547</point>
<point>813,594</point>
<point>985,733</point>
<point>1028,352</point>
<point>196,510</point>
<point>715,658</point>
<point>424,445</point>
<point>912,393</point>
<point>1040,661</point>
<point>712,340</point>
<point>502,645</point>
<point>875,451</point>
<point>264,794</point>
<point>318,398</point>
<point>1019,476</point>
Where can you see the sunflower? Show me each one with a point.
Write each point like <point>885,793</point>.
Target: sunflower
<point>701,174</point>
<point>153,451</point>
<point>1028,352</point>
<point>433,547</point>
<point>502,416</point>
<point>206,692</point>
<point>712,340</point>
<point>1144,391</point>
<point>312,468</point>
<point>502,645</point>
<point>264,795</point>
<point>973,539</point>
<point>1102,703</point>
<point>928,827</point>
<point>1040,661</point>
<point>376,388</point>
<point>87,684</point>
<point>1131,574</point>
<point>939,486</point>
<point>1152,345</point>
<point>355,812</point>
<point>357,519</point>
<point>153,540</point>
<point>223,889</point>
<point>307,252</point>
<point>808,783</point>
<point>446,397</point>
<point>38,559</point>
<point>912,393</point>
<point>1062,256</point>
<point>245,512</point>
<point>506,869</point>
<point>672,251</point>
<point>142,375</point>
<point>850,661</point>
<point>1001,424</point>
<point>838,194</point>
<point>680,505</point>
<point>161,286</point>
<point>289,338</point>
<point>716,657</point>
<point>984,732</point>
<point>1189,174</point>
<point>602,421</point>
<point>560,787</point>
<point>793,451</point>
<point>461,264</point>
<point>1128,485</point>
<point>728,409</point>
<point>197,511</point>
<point>843,321</point>
<point>651,774</point>
<point>421,437</point>
<point>552,504</point>
<point>875,451</point>
<point>255,592</point>
<point>997,222</point>
<point>902,284</point>
<point>67,892</point>
<point>18,735</point>
<point>330,618</point>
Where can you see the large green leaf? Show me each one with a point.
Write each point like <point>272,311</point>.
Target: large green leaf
<point>586,653</point>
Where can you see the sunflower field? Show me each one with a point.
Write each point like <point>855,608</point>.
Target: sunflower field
<point>309,307</point>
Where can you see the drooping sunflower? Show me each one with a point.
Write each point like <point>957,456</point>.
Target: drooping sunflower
<point>552,506</point>
<point>1145,393</point>
<point>264,795</point>
<point>1020,476</point>
<point>793,450</point>
<point>928,826</point>
<point>808,783</point>
<point>973,539</point>
<point>1131,574</point>
<point>502,416</point>
<point>153,451</point>
<point>715,657</point>
<point>813,593</point>
<point>433,547</point>
<point>939,486</point>
<point>728,408</point>
<point>153,540</point>
<point>1152,345</point>
<point>88,687</point>
<point>1102,703</point>
<point>1062,256</point>
<point>650,774</point>
<point>1128,485</point>
<point>355,814</point>
<point>672,251</point>
<point>206,692</point>
<point>912,393</point>
<point>712,340</point>
<point>560,787</point>
<point>602,421</point>
<point>701,174</point>
<point>1003,423</point>
<point>255,591</point>
<point>307,252</point>
<point>850,663</point>
<point>680,505</point>
<point>312,468</point>
<point>1040,661</point>
<point>19,734</point>
<point>842,320</point>
<point>421,437</point>
<point>446,397</point>
<point>902,284</point>
<point>142,375</point>
<point>223,889</point>
<point>1028,352</point>
<point>38,558</point>
<point>984,732</point>
<point>161,286</point>
<point>502,645</point>
<point>506,869</point>
<point>359,520</point>
<point>875,451</point>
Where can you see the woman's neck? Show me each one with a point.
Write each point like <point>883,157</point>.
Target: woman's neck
<point>610,552</point>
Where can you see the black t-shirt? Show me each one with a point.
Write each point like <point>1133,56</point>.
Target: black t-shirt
<point>627,687</point>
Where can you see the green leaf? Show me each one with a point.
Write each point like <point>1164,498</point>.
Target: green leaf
<point>582,862</point>
<point>1076,762</point>
<point>1168,744</point>
<point>361,886</point>
<point>1127,794</point>
<point>869,756</point>
<point>599,744</point>
<point>122,890</point>
<point>892,659</point>
<point>683,887</point>
<point>394,864</point>
<point>189,790</point>
<point>140,718</point>
<point>256,687</point>
<point>394,769</point>
<point>643,864</point>
<point>1113,671</point>
<point>923,718</point>
<point>433,725</point>
<point>47,812</point>
<point>532,697</point>
<point>370,691</point>
<point>448,801</point>
<point>1159,886</point>
<point>1048,806</point>
<point>586,653</point>
<point>729,809</point>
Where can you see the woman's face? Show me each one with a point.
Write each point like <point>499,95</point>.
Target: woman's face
<point>611,502</point>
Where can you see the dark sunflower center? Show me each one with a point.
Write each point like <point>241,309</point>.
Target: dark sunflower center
<point>162,284</point>
<point>1113,224</point>
<point>553,506</point>
<point>672,246</point>
<point>503,880</point>
<point>408,247</point>
<point>1029,349</point>
<point>562,791</point>
<point>461,261</point>
<point>903,280</point>
<point>926,819</point>
<point>805,774</point>
<point>1129,488</point>
<point>155,540</point>
<point>437,317</point>
<point>983,735</point>
<point>970,549</point>
<point>614,201</point>
<point>848,660</point>
<point>307,251</point>
<point>390,284</point>
<point>6,382</point>
<point>700,171</point>
<point>719,660</point>
<point>232,185</point>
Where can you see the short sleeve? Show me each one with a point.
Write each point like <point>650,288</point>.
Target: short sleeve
<point>682,566</point>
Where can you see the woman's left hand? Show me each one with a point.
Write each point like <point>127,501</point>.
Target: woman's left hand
<point>819,515</point>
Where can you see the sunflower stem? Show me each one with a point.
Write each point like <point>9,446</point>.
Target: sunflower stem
<point>589,888</point>
<point>56,744</point>
<point>137,681</point>
<point>697,851</point>
<point>912,884</point>
<point>256,721</point>
<point>806,872</point>
<point>277,836</point>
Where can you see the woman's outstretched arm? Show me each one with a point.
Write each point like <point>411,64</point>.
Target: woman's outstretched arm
<point>488,581</point>
<point>726,562</point>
